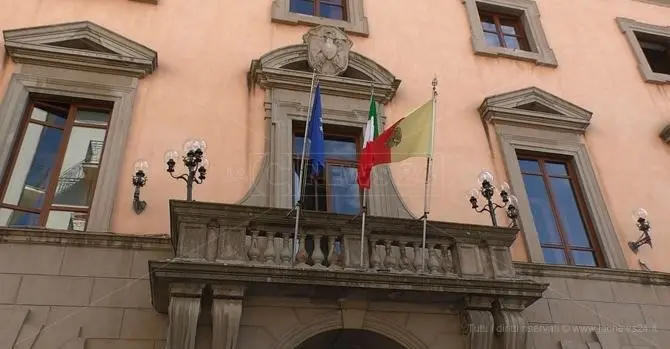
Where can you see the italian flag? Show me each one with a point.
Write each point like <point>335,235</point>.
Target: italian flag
<point>372,127</point>
<point>411,136</point>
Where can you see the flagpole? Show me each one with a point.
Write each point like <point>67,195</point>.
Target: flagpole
<point>428,180</point>
<point>298,204</point>
<point>365,202</point>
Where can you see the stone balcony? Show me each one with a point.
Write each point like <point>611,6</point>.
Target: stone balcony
<point>252,247</point>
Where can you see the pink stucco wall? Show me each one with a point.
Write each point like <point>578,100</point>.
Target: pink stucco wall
<point>200,90</point>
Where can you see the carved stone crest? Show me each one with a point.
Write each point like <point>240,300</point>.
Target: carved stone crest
<point>327,50</point>
<point>395,138</point>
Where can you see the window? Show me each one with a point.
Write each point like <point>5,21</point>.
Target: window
<point>563,215</point>
<point>509,28</point>
<point>559,212</point>
<point>53,169</point>
<point>503,30</point>
<point>656,50</point>
<point>345,14</point>
<point>651,47</point>
<point>336,188</point>
<point>333,9</point>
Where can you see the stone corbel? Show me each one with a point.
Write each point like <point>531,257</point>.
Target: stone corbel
<point>510,326</point>
<point>226,314</point>
<point>183,315</point>
<point>477,323</point>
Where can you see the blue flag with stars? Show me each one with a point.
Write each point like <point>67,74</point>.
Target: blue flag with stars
<point>315,135</point>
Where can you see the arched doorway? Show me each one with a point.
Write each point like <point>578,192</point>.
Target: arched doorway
<point>349,339</point>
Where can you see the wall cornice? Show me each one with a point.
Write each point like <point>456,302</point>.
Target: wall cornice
<point>590,273</point>
<point>71,238</point>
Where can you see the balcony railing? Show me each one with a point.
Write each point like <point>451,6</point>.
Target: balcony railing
<point>254,236</point>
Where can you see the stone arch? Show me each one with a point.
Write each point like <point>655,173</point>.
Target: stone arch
<point>333,321</point>
<point>286,77</point>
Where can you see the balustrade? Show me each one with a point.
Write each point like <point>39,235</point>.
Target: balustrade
<point>256,236</point>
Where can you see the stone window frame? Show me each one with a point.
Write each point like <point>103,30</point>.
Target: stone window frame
<point>346,101</point>
<point>629,27</point>
<point>356,22</point>
<point>560,133</point>
<point>541,54</point>
<point>43,68</point>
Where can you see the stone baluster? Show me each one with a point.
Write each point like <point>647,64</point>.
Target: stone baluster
<point>301,256</point>
<point>389,260</point>
<point>332,254</point>
<point>405,263</point>
<point>269,253</point>
<point>285,254</point>
<point>417,257</point>
<point>433,262</point>
<point>254,252</point>
<point>374,255</point>
<point>317,254</point>
<point>447,262</point>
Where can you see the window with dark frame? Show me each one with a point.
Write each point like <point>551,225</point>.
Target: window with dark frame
<point>333,9</point>
<point>336,188</point>
<point>565,230</point>
<point>504,30</point>
<point>51,176</point>
<point>656,50</point>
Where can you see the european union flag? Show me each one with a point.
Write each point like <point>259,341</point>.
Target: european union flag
<point>315,135</point>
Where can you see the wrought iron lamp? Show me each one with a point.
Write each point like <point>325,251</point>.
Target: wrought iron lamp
<point>642,221</point>
<point>487,190</point>
<point>139,180</point>
<point>194,161</point>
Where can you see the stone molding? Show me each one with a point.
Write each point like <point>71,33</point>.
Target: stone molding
<point>553,133</point>
<point>110,52</point>
<point>629,27</point>
<point>356,22</point>
<point>665,3</point>
<point>333,321</point>
<point>183,322</point>
<point>79,84</point>
<point>541,53</point>
<point>270,72</point>
<point>153,2</point>
<point>90,239</point>
<point>559,114</point>
<point>590,273</point>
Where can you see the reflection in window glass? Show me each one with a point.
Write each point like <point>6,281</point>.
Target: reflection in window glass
<point>559,217</point>
<point>333,9</point>
<point>344,192</point>
<point>57,139</point>
<point>336,188</point>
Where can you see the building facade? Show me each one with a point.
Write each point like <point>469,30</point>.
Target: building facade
<point>567,101</point>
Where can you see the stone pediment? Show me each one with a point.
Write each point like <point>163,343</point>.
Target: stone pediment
<point>533,107</point>
<point>292,67</point>
<point>80,45</point>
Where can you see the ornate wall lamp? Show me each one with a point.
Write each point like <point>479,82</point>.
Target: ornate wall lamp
<point>139,180</point>
<point>487,190</point>
<point>194,161</point>
<point>641,220</point>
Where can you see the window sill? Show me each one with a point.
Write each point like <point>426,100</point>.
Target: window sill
<point>546,59</point>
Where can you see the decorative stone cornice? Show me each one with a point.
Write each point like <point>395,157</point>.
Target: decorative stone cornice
<point>665,134</point>
<point>270,71</point>
<point>533,107</point>
<point>71,238</point>
<point>591,273</point>
<point>82,46</point>
<point>279,282</point>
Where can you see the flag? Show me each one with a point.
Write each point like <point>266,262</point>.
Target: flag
<point>410,137</point>
<point>372,127</point>
<point>315,135</point>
